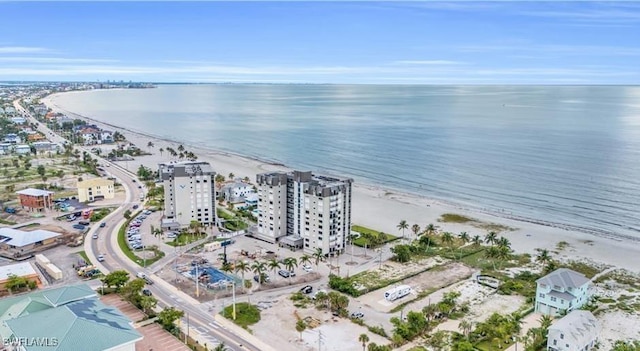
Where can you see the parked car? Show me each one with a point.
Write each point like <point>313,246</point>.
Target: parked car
<point>71,218</point>
<point>307,289</point>
<point>265,278</point>
<point>103,224</point>
<point>135,207</point>
<point>84,222</point>
<point>306,268</point>
<point>78,226</point>
<point>284,274</point>
<point>100,258</point>
<point>357,315</point>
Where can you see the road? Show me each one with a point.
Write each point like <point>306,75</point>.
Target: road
<point>107,244</point>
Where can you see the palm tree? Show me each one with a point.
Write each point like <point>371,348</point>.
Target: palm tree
<point>300,327</point>
<point>290,263</point>
<point>503,243</point>
<point>231,175</point>
<point>543,256</point>
<point>258,268</point>
<point>305,260</point>
<point>415,229</point>
<point>274,265</point>
<point>242,267</point>
<point>221,347</point>
<point>150,144</point>
<point>430,229</point>
<point>447,239</point>
<point>402,226</point>
<point>429,311</point>
<point>465,327</point>
<point>364,339</point>
<point>318,256</point>
<point>477,240</point>
<point>546,321</point>
<point>491,238</point>
<point>464,237</point>
<point>180,148</point>
<point>161,151</point>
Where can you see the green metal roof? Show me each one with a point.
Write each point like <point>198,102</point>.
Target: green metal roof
<point>78,324</point>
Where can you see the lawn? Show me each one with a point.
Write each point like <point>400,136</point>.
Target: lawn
<point>84,257</point>
<point>184,239</point>
<point>231,222</point>
<point>361,241</point>
<point>246,314</point>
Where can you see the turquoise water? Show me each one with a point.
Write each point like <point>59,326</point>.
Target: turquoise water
<point>547,153</point>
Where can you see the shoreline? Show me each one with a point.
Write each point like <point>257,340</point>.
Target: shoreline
<point>377,199</point>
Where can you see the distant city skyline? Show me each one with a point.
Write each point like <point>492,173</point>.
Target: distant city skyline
<point>463,42</point>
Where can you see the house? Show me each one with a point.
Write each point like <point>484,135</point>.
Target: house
<point>6,148</point>
<point>71,318</point>
<point>94,189</point>
<point>235,192</point>
<point>23,269</point>
<point>35,136</point>
<point>106,137</point>
<point>562,289</point>
<point>22,149</point>
<point>45,146</point>
<point>12,138</point>
<point>577,331</point>
<point>21,242</point>
<point>35,199</point>
<point>18,120</point>
<point>251,199</point>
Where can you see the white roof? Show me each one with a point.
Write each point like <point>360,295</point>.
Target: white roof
<point>579,327</point>
<point>19,238</point>
<point>34,192</point>
<point>20,269</point>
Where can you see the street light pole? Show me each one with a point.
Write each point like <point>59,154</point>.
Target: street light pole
<point>234,299</point>
<point>197,282</point>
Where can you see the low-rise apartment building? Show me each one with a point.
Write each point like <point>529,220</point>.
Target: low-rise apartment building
<point>95,189</point>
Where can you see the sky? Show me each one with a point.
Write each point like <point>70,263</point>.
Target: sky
<point>363,42</point>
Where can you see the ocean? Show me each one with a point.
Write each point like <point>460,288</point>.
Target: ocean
<point>567,155</point>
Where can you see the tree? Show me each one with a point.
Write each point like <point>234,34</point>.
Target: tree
<point>132,289</point>
<point>116,279</point>
<point>258,268</point>
<point>447,239</point>
<point>15,282</point>
<point>167,318</point>
<point>464,237</point>
<point>161,151</point>
<point>305,259</point>
<point>242,267</point>
<point>274,265</point>
<point>364,339</point>
<point>430,229</point>
<point>543,256</point>
<point>318,256</point>
<point>415,229</point>
<point>477,240</point>
<point>491,238</point>
<point>221,347</point>
<point>402,226</point>
<point>147,303</point>
<point>402,253</point>
<point>231,176</point>
<point>290,263</point>
<point>219,178</point>
<point>626,345</point>
<point>127,214</point>
<point>180,148</point>
<point>463,345</point>
<point>300,327</point>
<point>465,327</point>
<point>150,144</point>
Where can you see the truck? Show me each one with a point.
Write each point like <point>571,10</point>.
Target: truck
<point>397,292</point>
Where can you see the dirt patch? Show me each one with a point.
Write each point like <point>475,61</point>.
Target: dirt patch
<point>277,327</point>
<point>50,227</point>
<point>392,271</point>
<point>431,280</point>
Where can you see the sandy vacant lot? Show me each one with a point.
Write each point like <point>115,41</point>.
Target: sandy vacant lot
<point>277,326</point>
<point>618,325</point>
<point>433,279</point>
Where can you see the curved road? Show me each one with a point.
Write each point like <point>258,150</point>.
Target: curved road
<point>107,244</point>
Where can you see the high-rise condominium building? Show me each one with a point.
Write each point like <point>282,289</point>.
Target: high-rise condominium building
<point>303,210</point>
<point>189,193</point>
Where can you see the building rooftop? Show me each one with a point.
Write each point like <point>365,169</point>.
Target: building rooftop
<point>579,327</point>
<point>72,315</point>
<point>184,168</point>
<point>32,191</point>
<point>19,238</point>
<point>564,278</point>
<point>93,182</point>
<point>19,269</point>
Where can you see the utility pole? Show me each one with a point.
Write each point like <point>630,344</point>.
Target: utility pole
<point>234,299</point>
<point>320,340</point>
<point>197,281</point>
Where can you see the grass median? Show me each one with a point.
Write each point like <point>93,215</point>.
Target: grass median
<point>124,246</point>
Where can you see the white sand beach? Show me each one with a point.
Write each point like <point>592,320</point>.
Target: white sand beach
<point>382,209</point>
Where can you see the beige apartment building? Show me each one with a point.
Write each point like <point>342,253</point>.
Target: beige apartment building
<point>189,193</point>
<point>303,210</point>
<point>95,189</point>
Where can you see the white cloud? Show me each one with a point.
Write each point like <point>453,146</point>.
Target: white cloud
<point>428,62</point>
<point>21,50</point>
<point>58,60</point>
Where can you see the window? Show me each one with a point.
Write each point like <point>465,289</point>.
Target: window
<point>561,336</point>
<point>553,299</point>
<point>555,342</point>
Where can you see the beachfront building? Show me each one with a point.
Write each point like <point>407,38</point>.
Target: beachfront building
<point>35,199</point>
<point>562,289</point>
<point>22,149</point>
<point>12,138</point>
<point>65,318</point>
<point>577,331</point>
<point>236,192</point>
<point>95,189</point>
<point>303,210</point>
<point>189,193</point>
